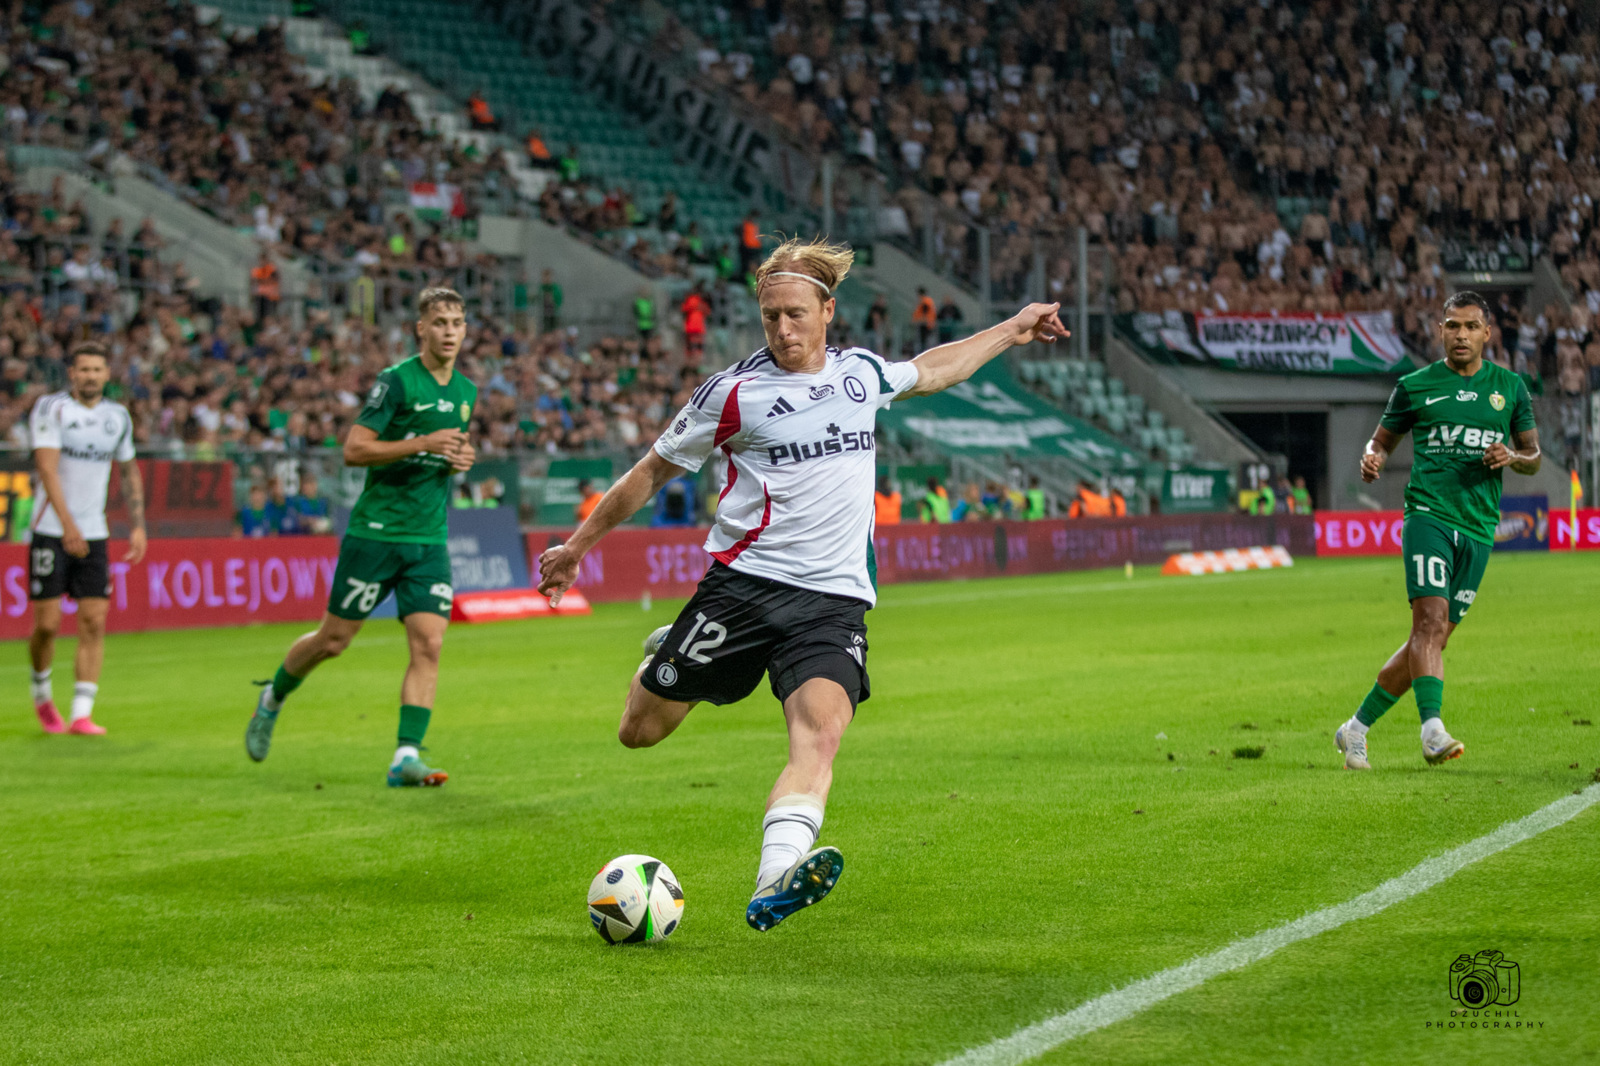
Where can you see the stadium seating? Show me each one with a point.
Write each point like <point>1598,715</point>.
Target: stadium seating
<point>1084,389</point>
<point>464,52</point>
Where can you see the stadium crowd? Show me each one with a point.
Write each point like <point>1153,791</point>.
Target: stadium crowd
<point>214,377</point>
<point>1395,132</point>
<point>1169,135</point>
<point>233,125</point>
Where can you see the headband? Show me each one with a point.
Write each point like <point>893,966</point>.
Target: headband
<point>791,274</point>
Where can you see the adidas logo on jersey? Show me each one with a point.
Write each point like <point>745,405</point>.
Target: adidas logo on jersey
<point>782,407</point>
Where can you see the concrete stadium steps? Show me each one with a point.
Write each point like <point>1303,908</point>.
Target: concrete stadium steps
<point>451,47</point>
<point>215,254</point>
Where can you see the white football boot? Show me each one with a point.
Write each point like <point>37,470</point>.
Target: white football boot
<point>1439,746</point>
<point>1354,746</point>
<point>806,882</point>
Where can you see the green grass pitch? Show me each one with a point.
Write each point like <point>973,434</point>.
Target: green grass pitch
<point>164,900</point>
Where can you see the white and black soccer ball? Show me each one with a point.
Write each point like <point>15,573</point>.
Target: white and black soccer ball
<point>635,899</point>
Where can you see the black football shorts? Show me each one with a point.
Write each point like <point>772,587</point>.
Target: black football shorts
<point>52,572</point>
<point>737,627</point>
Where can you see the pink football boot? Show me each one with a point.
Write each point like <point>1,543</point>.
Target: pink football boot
<point>49,717</point>
<point>85,727</point>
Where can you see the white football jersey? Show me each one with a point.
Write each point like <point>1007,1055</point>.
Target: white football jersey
<point>798,506</point>
<point>89,439</point>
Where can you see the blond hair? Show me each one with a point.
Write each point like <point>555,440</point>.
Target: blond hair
<point>427,298</point>
<point>825,262</point>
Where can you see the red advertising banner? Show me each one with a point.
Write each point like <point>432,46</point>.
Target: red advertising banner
<point>1359,532</point>
<point>670,562</point>
<point>186,584</point>
<point>1561,532</point>
<point>182,499</point>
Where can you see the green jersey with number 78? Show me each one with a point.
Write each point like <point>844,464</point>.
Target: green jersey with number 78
<point>407,501</point>
<point>1452,421</point>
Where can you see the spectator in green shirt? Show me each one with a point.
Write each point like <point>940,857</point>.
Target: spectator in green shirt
<point>568,164</point>
<point>935,506</point>
<point>550,299</point>
<point>1036,501</point>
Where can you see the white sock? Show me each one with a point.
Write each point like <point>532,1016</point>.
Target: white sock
<point>1356,726</point>
<point>41,687</point>
<point>401,752</point>
<point>1432,727</point>
<point>83,694</point>
<point>788,831</point>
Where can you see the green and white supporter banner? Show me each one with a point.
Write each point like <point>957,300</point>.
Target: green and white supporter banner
<point>1190,489</point>
<point>1286,342</point>
<point>991,413</point>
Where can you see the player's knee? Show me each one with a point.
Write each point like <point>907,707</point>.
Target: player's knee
<point>427,647</point>
<point>334,644</point>
<point>633,733</point>
<point>825,741</point>
<point>46,627</point>
<point>1430,629</point>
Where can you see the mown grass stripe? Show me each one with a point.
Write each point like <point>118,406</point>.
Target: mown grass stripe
<point>1124,1003</point>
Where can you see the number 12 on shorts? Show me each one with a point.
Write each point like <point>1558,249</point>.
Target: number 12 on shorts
<point>1437,575</point>
<point>716,633</point>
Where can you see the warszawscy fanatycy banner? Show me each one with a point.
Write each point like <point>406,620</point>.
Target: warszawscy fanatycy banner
<point>1363,342</point>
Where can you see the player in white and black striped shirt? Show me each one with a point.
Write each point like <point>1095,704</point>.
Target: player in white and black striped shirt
<point>792,543</point>
<point>76,436</point>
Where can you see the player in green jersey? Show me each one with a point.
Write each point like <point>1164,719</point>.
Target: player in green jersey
<point>411,435</point>
<point>1460,412</point>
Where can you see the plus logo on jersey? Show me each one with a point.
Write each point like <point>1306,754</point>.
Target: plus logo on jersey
<point>1462,436</point>
<point>836,443</point>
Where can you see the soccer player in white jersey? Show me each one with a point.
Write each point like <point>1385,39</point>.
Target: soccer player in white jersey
<point>793,573</point>
<point>76,435</point>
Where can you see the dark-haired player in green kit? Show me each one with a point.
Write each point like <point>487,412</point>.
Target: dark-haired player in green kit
<point>1460,411</point>
<point>411,436</point>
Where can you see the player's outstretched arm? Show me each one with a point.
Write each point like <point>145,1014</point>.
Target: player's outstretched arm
<point>1382,443</point>
<point>558,566</point>
<point>944,366</point>
<point>1526,459</point>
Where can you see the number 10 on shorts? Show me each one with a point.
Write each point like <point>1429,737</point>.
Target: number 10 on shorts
<point>1431,571</point>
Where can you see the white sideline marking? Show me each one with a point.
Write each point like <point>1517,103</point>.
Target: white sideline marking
<point>1113,1007</point>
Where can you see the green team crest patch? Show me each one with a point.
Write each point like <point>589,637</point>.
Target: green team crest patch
<point>379,391</point>
<point>466,411</point>
<point>1497,401</point>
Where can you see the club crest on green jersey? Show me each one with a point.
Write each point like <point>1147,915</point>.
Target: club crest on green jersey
<point>1497,401</point>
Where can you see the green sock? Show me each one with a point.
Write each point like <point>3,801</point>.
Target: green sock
<point>414,724</point>
<point>1430,695</point>
<point>283,683</point>
<point>1376,704</point>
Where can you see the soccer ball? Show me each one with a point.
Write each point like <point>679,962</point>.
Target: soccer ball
<point>635,899</point>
